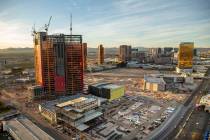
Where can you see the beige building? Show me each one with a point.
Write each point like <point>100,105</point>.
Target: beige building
<point>153,84</point>
<point>205,100</point>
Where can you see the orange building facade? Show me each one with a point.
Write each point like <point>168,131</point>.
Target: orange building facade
<point>59,63</point>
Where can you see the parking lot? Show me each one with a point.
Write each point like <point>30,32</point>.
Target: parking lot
<point>136,114</point>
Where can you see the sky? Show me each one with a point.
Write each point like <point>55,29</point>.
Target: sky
<point>140,23</point>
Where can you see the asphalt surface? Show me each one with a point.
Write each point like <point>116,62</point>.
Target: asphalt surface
<point>194,121</point>
<point>195,126</point>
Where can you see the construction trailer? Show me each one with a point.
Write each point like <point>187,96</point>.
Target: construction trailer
<point>59,63</point>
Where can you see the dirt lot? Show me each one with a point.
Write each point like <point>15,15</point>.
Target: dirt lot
<point>130,78</point>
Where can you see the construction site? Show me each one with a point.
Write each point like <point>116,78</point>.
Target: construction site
<point>55,70</point>
<point>137,110</point>
<point>116,103</point>
<point>72,96</point>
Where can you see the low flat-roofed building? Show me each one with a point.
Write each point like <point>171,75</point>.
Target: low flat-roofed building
<point>168,78</point>
<point>21,128</point>
<point>48,109</point>
<point>107,90</point>
<point>153,84</point>
<point>75,113</point>
<point>163,82</point>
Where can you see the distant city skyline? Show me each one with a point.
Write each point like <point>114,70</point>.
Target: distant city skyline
<point>154,23</point>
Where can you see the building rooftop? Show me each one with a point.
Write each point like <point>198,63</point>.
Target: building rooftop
<point>186,43</point>
<point>51,105</point>
<point>106,85</point>
<point>76,101</point>
<point>111,86</point>
<point>165,75</point>
<point>99,85</point>
<point>87,117</point>
<point>71,102</point>
<point>154,80</point>
<point>24,129</point>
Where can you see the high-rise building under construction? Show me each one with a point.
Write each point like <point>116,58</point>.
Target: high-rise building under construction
<point>185,57</point>
<point>100,54</point>
<point>59,63</point>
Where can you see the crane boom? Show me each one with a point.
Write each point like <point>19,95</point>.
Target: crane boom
<point>33,30</point>
<point>47,25</point>
<point>71,24</point>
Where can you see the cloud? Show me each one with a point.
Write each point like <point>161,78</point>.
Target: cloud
<point>136,22</point>
<point>14,34</point>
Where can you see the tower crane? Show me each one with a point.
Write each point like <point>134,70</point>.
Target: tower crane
<point>33,32</point>
<point>70,24</point>
<point>46,26</point>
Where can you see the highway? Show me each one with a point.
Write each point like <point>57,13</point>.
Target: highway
<point>174,124</point>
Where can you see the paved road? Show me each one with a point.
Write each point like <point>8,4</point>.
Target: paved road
<point>191,113</point>
<point>196,121</point>
<point>194,127</point>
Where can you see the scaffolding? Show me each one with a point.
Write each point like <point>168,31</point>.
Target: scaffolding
<point>59,63</point>
<point>74,64</point>
<point>84,50</point>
